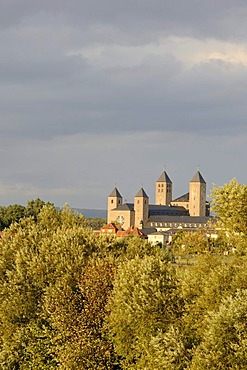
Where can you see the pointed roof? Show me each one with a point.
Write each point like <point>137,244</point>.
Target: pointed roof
<point>182,198</point>
<point>115,193</point>
<point>164,178</point>
<point>198,178</point>
<point>110,226</point>
<point>130,231</point>
<point>141,193</point>
<point>125,207</point>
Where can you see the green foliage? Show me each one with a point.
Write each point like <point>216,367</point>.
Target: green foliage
<point>204,287</point>
<point>12,213</point>
<point>230,203</point>
<point>33,208</point>
<point>143,305</point>
<point>72,299</point>
<point>187,242</point>
<point>95,223</point>
<point>38,261</point>
<point>224,342</point>
<point>76,312</point>
<point>56,277</point>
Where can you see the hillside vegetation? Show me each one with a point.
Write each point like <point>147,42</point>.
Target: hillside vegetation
<point>71,299</point>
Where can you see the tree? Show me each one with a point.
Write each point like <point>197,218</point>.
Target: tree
<point>95,223</point>
<point>224,343</point>
<point>12,213</point>
<point>230,203</point>
<point>56,278</point>
<point>38,261</point>
<point>33,208</point>
<point>203,288</point>
<point>77,312</point>
<point>188,242</point>
<point>143,306</point>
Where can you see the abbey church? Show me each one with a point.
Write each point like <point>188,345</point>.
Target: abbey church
<point>190,210</point>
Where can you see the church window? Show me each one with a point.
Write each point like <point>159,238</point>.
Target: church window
<point>119,201</point>
<point>111,201</point>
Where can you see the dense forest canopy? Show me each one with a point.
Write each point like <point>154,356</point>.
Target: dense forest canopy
<point>15,212</point>
<point>72,299</point>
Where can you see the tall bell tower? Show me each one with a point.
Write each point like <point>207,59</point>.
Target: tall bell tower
<point>115,200</point>
<point>197,196</point>
<point>141,201</point>
<point>163,192</point>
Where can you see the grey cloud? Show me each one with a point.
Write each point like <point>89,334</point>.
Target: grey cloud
<point>126,100</point>
<point>142,19</point>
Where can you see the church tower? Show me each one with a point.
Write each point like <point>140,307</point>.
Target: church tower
<point>163,193</point>
<point>197,196</point>
<point>141,208</point>
<point>115,200</point>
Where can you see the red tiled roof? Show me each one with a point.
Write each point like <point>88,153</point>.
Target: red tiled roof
<point>113,228</point>
<point>130,231</point>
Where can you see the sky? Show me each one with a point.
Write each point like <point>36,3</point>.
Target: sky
<point>102,93</point>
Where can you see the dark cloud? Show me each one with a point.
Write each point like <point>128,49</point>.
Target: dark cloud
<point>223,18</point>
<point>69,98</point>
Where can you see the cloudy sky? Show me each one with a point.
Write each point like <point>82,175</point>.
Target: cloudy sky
<point>98,93</point>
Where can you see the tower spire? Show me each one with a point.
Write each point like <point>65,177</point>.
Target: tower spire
<point>163,193</point>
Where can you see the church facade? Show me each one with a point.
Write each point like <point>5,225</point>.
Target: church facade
<point>186,211</point>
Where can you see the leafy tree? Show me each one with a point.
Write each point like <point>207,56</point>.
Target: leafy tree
<point>95,223</point>
<point>56,278</point>
<point>12,213</point>
<point>203,288</point>
<point>77,314</point>
<point>2,221</point>
<point>143,306</point>
<point>224,343</point>
<point>230,203</point>
<point>39,260</point>
<point>33,208</point>
<point>187,242</point>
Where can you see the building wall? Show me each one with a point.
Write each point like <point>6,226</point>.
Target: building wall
<point>157,238</point>
<point>129,217</point>
<point>141,211</point>
<point>113,202</point>
<point>181,204</point>
<point>163,193</point>
<point>197,203</point>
